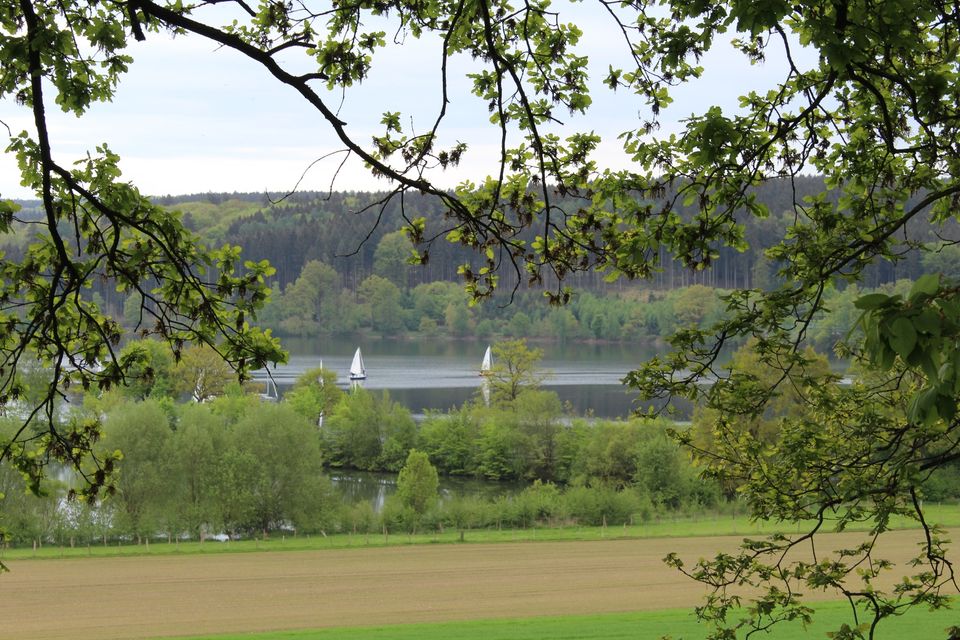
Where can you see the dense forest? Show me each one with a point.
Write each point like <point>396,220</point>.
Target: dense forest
<point>347,231</point>
<point>341,263</point>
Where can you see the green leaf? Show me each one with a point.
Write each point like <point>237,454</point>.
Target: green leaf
<point>871,301</point>
<point>928,322</point>
<point>902,337</point>
<point>929,367</point>
<point>926,285</point>
<point>946,407</point>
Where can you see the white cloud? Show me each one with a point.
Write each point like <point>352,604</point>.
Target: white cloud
<point>190,116</point>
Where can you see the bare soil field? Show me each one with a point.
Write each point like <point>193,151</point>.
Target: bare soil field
<point>150,597</point>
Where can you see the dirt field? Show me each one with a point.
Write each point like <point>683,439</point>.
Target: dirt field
<point>133,598</point>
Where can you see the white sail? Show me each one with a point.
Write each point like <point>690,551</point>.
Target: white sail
<point>487,364</point>
<point>199,394</point>
<point>357,370</point>
<point>271,394</point>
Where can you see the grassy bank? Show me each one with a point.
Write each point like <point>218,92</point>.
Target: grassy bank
<point>676,623</point>
<point>706,525</point>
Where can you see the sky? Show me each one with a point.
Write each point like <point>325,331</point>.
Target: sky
<point>190,117</point>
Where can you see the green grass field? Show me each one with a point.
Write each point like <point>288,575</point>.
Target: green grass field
<point>677,624</point>
<point>676,527</point>
<point>524,590</point>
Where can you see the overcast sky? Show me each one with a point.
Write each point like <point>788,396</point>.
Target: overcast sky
<point>190,117</point>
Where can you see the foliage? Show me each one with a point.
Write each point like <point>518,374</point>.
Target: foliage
<point>748,375</point>
<point>537,414</point>
<point>605,505</point>
<point>284,484</point>
<point>391,260</point>
<point>95,227</point>
<point>368,431</point>
<point>314,393</point>
<point>450,441</point>
<point>417,482</point>
<point>258,470</point>
<point>140,433</point>
<point>515,367</point>
<point>441,308</point>
<point>866,100</point>
<point>23,515</point>
<point>240,465</point>
<point>150,372</point>
<point>381,298</point>
<point>202,373</point>
<point>196,455</point>
<point>310,300</point>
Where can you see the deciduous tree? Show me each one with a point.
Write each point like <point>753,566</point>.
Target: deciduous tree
<point>285,485</point>
<point>391,260</point>
<point>382,298</point>
<point>202,374</point>
<point>866,98</point>
<point>308,305</point>
<point>150,370</point>
<point>141,433</point>
<point>314,394</point>
<point>368,431</point>
<point>417,482</point>
<point>516,367</point>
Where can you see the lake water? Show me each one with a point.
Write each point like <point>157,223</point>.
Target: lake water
<point>355,487</point>
<point>427,375</point>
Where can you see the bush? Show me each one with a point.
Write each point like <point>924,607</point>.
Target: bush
<point>397,517</point>
<point>360,518</point>
<point>604,505</point>
<point>537,503</point>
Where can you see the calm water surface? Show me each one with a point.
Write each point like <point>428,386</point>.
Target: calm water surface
<point>355,487</point>
<point>427,375</point>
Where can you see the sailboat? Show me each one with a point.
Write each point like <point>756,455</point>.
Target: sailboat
<point>357,370</point>
<point>486,370</point>
<point>486,367</point>
<point>322,384</point>
<point>271,394</point>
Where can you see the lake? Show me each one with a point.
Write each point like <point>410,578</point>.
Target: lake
<point>354,487</point>
<point>437,375</point>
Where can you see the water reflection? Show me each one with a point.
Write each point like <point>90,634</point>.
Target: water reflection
<point>356,487</point>
<point>441,375</point>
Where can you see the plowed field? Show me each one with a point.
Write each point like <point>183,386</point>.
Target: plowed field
<point>148,597</point>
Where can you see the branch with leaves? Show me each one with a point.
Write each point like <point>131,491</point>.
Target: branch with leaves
<point>867,99</point>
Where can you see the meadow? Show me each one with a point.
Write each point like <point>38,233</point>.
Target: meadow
<point>946,515</point>
<point>647,625</point>
<point>586,589</point>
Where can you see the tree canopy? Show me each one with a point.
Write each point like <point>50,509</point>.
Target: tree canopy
<point>867,99</point>
<point>417,482</point>
<point>516,368</point>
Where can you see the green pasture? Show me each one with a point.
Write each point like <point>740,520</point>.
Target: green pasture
<point>676,623</point>
<point>665,527</point>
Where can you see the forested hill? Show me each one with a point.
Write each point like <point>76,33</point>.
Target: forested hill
<point>327,227</point>
<point>334,252</point>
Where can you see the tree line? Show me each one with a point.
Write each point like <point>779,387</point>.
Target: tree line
<point>227,459</point>
<point>323,226</point>
<point>315,305</point>
<point>313,240</point>
<point>244,467</point>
